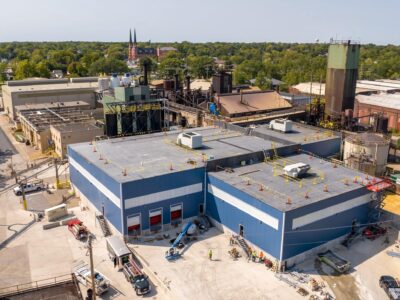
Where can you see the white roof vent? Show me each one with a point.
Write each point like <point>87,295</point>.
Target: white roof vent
<point>283,125</point>
<point>192,140</point>
<point>296,170</point>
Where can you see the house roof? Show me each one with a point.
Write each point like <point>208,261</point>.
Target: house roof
<point>252,102</point>
<point>382,100</point>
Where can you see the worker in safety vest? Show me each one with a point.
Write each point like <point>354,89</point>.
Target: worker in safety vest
<point>210,254</point>
<point>254,255</point>
<point>261,256</point>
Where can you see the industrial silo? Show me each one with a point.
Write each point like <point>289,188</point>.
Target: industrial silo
<point>367,152</point>
<point>341,78</point>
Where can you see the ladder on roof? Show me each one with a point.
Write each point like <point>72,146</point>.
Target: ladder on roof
<point>104,225</point>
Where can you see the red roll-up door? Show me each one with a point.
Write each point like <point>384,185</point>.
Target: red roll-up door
<point>133,223</point>
<point>134,227</point>
<point>177,214</point>
<point>154,220</point>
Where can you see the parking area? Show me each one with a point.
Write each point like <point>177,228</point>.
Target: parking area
<point>39,254</point>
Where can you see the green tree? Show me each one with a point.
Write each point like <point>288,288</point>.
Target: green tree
<point>42,69</point>
<point>201,66</point>
<point>76,69</point>
<point>3,67</point>
<point>24,70</point>
<point>108,66</point>
<point>262,81</point>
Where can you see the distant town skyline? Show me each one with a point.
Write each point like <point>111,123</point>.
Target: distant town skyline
<point>367,21</point>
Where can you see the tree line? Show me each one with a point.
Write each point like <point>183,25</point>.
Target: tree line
<point>291,63</point>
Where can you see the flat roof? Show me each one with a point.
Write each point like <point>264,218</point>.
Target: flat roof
<point>146,156</point>
<point>73,127</point>
<point>279,189</point>
<point>51,87</point>
<point>300,134</point>
<point>34,106</point>
<point>383,100</point>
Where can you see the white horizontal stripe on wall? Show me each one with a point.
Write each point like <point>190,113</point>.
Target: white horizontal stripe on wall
<point>164,195</point>
<point>98,185</point>
<point>243,206</point>
<point>329,211</point>
<point>176,207</point>
<point>133,220</point>
<point>156,212</point>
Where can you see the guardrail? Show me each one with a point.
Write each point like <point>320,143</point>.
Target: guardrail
<point>36,285</point>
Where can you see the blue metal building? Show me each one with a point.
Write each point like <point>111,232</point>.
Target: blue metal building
<point>148,183</point>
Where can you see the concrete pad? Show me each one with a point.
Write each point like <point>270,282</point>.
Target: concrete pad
<point>195,276</point>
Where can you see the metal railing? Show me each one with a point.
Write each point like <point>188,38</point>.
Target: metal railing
<point>36,285</point>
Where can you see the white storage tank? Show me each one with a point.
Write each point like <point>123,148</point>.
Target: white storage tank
<point>103,83</point>
<point>127,79</point>
<point>114,81</point>
<point>367,152</point>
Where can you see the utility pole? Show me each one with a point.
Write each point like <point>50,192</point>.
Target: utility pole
<point>56,167</point>
<point>91,267</point>
<point>22,185</point>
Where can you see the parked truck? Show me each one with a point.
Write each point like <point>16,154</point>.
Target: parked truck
<point>135,276</point>
<point>29,187</point>
<point>78,229</point>
<point>83,275</point>
<point>333,260</point>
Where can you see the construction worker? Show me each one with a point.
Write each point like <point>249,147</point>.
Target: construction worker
<point>210,254</point>
<point>254,256</point>
<point>261,256</point>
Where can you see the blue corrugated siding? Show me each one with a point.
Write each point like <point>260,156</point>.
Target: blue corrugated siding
<point>105,179</point>
<point>171,181</point>
<point>92,193</point>
<point>314,234</point>
<point>323,148</point>
<point>259,234</point>
<point>97,198</point>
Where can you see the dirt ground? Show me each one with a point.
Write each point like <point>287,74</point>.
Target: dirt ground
<point>369,261</point>
<point>194,276</point>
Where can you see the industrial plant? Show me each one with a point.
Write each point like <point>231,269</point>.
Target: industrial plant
<point>172,176</point>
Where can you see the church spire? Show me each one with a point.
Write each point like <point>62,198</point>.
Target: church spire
<point>134,36</point>
<point>130,36</point>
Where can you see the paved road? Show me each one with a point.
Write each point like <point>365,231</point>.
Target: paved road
<point>5,143</point>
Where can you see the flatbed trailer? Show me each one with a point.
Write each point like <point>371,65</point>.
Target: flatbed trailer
<point>334,261</point>
<point>134,275</point>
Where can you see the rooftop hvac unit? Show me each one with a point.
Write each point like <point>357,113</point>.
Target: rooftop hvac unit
<point>296,170</point>
<point>192,140</point>
<point>283,125</point>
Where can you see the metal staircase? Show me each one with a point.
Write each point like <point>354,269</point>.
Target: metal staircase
<point>244,245</point>
<point>104,225</point>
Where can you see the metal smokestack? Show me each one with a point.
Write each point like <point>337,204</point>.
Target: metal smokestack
<point>145,70</point>
<point>176,82</point>
<point>188,84</point>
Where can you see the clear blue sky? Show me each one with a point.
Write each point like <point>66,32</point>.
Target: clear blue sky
<point>369,21</point>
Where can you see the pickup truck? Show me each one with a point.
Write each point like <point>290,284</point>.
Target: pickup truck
<point>134,275</point>
<point>334,261</point>
<point>390,286</point>
<point>29,187</point>
<point>83,275</point>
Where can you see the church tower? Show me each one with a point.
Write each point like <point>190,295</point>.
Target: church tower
<point>132,50</point>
